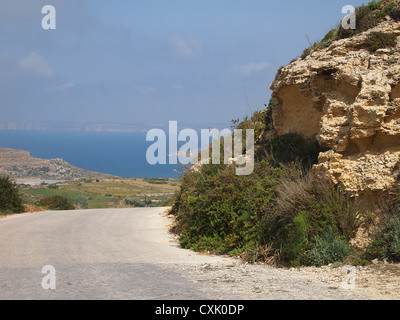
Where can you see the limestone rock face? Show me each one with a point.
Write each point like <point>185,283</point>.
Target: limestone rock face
<point>349,98</point>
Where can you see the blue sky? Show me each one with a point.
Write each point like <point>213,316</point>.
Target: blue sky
<point>151,61</point>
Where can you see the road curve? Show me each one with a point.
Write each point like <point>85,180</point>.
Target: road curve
<point>97,254</point>
<point>129,254</point>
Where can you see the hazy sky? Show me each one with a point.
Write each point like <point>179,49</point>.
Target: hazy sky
<point>151,61</point>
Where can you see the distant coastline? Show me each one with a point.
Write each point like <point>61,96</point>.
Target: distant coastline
<point>73,126</point>
<point>26,169</point>
<point>100,126</point>
<point>121,154</point>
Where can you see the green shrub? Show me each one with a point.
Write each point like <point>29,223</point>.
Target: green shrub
<point>291,147</point>
<point>256,122</point>
<point>307,52</point>
<point>361,262</point>
<point>328,248</point>
<point>386,235</point>
<point>138,203</point>
<point>395,13</point>
<point>346,210</point>
<point>218,211</point>
<point>56,203</point>
<point>388,10</point>
<point>10,200</point>
<point>381,14</point>
<point>330,36</point>
<point>389,7</point>
<point>295,244</point>
<point>135,203</point>
<point>389,239</point>
<point>319,204</point>
<point>379,40</point>
<point>277,207</point>
<point>374,5</point>
<point>273,103</point>
<point>82,202</point>
<point>367,17</point>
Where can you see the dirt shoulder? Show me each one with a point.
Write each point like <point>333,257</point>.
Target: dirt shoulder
<point>235,279</point>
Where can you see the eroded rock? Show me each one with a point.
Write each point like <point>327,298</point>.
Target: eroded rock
<point>349,98</point>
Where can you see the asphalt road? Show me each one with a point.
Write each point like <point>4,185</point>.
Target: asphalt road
<point>96,254</point>
<point>128,254</point>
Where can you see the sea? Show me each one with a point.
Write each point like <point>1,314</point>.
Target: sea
<point>116,153</point>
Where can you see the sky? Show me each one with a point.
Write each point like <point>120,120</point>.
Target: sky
<point>151,61</point>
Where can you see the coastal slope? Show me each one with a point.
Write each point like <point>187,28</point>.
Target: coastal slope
<point>20,164</point>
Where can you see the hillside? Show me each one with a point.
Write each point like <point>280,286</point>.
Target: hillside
<point>20,164</point>
<point>325,187</point>
<point>347,95</point>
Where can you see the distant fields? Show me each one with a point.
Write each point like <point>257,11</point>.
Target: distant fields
<point>106,193</point>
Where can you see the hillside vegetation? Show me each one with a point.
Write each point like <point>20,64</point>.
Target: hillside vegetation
<point>368,17</point>
<point>282,213</point>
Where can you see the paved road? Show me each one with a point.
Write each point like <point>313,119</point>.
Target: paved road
<point>129,254</point>
<point>97,254</point>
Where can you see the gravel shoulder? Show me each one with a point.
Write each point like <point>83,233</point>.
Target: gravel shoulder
<point>260,282</point>
<point>235,279</point>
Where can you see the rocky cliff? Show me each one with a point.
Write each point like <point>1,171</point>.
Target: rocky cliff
<point>349,98</point>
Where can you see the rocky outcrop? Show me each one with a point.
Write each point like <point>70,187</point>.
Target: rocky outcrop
<point>349,98</point>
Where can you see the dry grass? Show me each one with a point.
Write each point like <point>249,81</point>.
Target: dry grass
<point>31,208</point>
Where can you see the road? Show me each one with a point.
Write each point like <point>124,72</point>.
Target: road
<point>97,254</point>
<point>129,254</point>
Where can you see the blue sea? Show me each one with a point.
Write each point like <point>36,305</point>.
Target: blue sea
<point>120,154</point>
